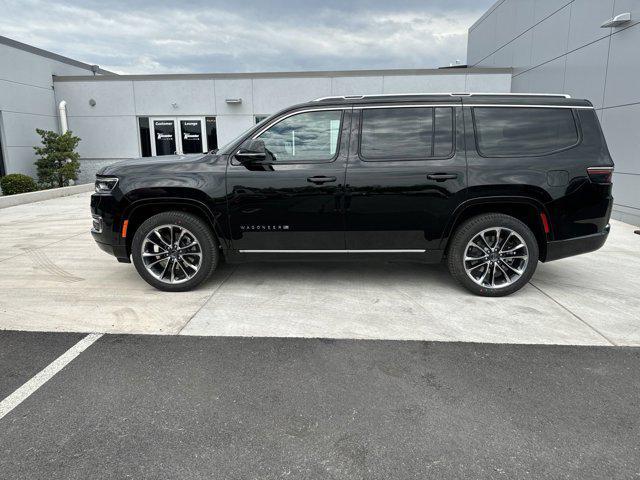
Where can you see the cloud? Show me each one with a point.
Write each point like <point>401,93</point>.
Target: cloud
<point>213,36</point>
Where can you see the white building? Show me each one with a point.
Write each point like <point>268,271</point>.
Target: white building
<point>586,48</point>
<point>116,115</point>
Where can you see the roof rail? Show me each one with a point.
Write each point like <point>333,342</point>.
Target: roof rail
<point>452,94</point>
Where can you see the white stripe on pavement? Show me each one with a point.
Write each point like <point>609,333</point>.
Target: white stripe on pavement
<point>22,393</point>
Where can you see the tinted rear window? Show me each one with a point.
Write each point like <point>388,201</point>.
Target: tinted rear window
<point>406,133</point>
<point>522,131</point>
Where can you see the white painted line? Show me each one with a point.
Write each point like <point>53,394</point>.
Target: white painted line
<point>22,393</point>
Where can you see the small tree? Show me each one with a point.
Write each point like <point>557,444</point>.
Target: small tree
<point>59,162</point>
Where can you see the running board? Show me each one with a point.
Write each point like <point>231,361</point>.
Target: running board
<point>336,251</point>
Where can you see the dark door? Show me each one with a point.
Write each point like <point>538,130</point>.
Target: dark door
<point>191,133</point>
<point>406,175</point>
<point>164,137</point>
<point>293,202</point>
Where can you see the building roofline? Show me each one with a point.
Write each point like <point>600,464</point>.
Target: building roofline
<point>305,74</point>
<point>489,11</point>
<point>53,56</point>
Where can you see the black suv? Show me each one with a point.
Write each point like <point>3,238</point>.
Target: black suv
<point>489,183</point>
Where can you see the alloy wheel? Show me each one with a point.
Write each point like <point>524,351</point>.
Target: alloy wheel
<point>171,254</point>
<point>496,257</point>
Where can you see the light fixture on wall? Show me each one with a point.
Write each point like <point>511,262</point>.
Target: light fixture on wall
<point>233,100</point>
<point>92,102</point>
<point>617,21</point>
<point>174,104</point>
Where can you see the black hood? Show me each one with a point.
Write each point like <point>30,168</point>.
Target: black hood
<point>165,164</point>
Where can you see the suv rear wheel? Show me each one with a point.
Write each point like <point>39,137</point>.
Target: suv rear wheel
<point>174,251</point>
<point>493,254</point>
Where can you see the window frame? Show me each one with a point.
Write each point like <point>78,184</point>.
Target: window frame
<point>411,159</point>
<point>576,123</point>
<point>298,112</point>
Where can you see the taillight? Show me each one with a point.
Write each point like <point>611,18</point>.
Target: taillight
<point>600,174</point>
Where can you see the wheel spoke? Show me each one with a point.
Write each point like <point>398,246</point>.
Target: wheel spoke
<point>517,247</point>
<point>164,270</point>
<point>513,269</point>
<point>161,239</point>
<point>183,270</point>
<point>479,265</point>
<point>506,276</point>
<point>506,241</point>
<point>149,265</point>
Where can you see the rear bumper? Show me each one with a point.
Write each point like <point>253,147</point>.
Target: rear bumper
<point>575,246</point>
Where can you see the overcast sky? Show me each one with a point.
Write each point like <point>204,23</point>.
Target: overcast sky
<point>160,36</point>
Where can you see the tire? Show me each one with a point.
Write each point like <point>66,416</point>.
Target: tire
<point>190,256</point>
<point>503,260</point>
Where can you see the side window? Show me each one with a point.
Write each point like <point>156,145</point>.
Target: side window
<point>304,137</point>
<point>522,131</point>
<point>406,133</point>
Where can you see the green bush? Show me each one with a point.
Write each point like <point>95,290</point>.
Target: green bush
<point>17,183</point>
<point>59,162</point>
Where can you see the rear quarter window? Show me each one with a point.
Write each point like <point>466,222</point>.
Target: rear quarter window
<point>523,131</point>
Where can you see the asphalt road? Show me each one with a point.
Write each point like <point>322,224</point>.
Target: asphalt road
<point>244,408</point>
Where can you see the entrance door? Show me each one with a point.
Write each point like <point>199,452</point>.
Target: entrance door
<point>191,136</point>
<point>177,135</point>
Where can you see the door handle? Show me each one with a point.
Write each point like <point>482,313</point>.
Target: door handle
<point>319,179</point>
<point>441,177</point>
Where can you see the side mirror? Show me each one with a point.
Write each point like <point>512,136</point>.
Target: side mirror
<point>252,151</point>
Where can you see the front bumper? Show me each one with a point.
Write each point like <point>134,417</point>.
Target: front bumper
<point>106,231</point>
<point>576,246</point>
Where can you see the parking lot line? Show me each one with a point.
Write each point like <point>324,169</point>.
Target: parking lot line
<point>33,384</point>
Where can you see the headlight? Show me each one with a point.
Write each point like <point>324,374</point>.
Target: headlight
<point>105,185</point>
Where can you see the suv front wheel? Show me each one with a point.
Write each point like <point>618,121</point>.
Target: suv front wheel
<point>493,254</point>
<point>174,251</point>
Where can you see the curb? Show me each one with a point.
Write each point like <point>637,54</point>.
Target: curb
<point>31,197</point>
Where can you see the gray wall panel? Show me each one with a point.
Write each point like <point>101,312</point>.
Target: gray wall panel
<point>106,137</point>
<point>620,128</point>
<point>522,47</point>
<point>20,160</point>
<point>550,37</point>
<point>544,8</point>
<point>586,18</point>
<point>16,97</point>
<point>546,78</point>
<point>190,96</point>
<point>626,191</point>
<point>238,88</point>
<point>111,98</point>
<point>488,83</point>
<point>271,95</point>
<point>624,68</point>
<point>229,127</point>
<point>20,128</point>
<point>356,85</point>
<point>423,84</point>
<point>586,70</point>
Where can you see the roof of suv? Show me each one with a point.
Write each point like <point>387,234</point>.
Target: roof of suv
<point>466,98</point>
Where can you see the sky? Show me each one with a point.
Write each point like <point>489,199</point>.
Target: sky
<point>194,36</point>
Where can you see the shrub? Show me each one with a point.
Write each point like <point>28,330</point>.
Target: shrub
<point>58,163</point>
<point>17,183</point>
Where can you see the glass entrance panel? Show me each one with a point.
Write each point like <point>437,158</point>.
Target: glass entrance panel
<point>191,136</point>
<point>164,137</point>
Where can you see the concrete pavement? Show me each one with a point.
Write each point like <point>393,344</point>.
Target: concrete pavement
<point>53,278</point>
